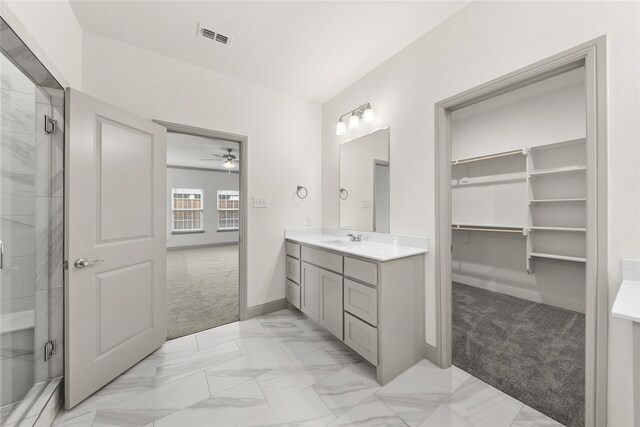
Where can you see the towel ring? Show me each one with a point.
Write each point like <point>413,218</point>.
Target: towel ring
<point>299,190</point>
<point>344,194</point>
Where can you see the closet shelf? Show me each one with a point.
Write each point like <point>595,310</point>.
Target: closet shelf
<point>560,257</point>
<point>559,144</point>
<point>489,157</point>
<point>488,228</point>
<point>557,171</point>
<point>538,201</point>
<point>577,229</point>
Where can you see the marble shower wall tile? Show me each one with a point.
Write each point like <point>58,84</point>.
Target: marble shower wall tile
<point>17,112</point>
<point>13,79</point>
<point>18,235</point>
<point>17,153</point>
<point>17,196</point>
<point>16,344</point>
<point>56,174</point>
<point>17,278</point>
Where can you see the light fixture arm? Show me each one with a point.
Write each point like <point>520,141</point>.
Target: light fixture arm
<point>356,111</point>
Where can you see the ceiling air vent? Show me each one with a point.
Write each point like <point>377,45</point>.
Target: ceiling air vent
<point>220,38</point>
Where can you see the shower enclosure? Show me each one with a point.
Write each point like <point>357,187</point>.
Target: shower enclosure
<point>31,234</point>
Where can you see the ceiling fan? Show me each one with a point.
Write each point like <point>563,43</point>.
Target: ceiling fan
<point>230,160</point>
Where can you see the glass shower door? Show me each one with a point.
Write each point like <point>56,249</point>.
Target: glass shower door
<point>28,271</point>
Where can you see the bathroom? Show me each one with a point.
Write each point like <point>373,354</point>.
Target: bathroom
<point>281,98</point>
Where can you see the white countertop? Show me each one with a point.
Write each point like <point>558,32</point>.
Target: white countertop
<point>374,250</point>
<point>627,303</point>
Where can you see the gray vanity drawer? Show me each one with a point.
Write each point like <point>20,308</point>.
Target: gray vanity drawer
<point>361,270</point>
<point>361,300</point>
<point>293,294</point>
<point>361,337</point>
<point>293,269</point>
<point>293,249</point>
<point>323,259</point>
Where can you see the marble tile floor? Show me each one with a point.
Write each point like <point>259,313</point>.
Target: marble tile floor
<point>281,369</point>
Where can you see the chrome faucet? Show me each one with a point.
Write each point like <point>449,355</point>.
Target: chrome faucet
<point>355,238</point>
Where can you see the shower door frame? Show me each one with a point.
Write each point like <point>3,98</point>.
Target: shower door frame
<point>591,55</point>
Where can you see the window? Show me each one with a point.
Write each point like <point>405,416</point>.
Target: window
<point>187,207</point>
<point>228,209</point>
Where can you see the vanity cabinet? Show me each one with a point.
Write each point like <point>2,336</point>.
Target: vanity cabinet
<point>374,307</point>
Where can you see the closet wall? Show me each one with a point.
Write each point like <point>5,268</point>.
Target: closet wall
<point>499,192</point>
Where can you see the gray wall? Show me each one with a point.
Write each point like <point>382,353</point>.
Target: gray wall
<point>210,182</point>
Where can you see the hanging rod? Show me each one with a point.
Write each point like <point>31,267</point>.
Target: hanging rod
<point>489,156</point>
<point>514,230</point>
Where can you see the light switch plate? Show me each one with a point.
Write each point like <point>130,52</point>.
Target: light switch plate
<point>259,202</point>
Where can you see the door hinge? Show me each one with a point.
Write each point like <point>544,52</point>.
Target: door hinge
<point>50,124</point>
<point>49,350</point>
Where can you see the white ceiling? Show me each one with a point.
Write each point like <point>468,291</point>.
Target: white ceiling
<point>308,49</point>
<point>187,150</point>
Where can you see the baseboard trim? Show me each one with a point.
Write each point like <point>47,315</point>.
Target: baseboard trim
<point>269,307</point>
<point>204,245</point>
<point>556,301</point>
<point>431,353</point>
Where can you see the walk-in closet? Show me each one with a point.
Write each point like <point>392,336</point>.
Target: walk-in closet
<point>519,229</point>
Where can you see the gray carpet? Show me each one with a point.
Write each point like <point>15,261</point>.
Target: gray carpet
<point>533,352</point>
<point>202,289</point>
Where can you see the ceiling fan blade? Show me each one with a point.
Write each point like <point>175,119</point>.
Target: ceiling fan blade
<point>210,160</point>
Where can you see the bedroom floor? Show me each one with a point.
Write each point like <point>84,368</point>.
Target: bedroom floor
<point>530,351</point>
<point>202,289</point>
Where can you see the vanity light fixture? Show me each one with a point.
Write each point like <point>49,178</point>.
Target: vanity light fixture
<point>364,112</point>
<point>354,121</point>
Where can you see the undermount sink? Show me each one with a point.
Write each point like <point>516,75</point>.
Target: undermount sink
<point>340,242</point>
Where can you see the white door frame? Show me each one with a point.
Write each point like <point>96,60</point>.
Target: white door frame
<point>244,197</point>
<point>591,55</point>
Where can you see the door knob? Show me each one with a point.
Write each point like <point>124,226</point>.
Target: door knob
<point>83,262</point>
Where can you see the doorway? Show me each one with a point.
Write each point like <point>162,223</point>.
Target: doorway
<point>204,228</point>
<point>203,184</point>
<point>594,228</point>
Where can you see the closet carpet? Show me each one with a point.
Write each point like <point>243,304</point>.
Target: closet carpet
<point>532,352</point>
<point>202,289</point>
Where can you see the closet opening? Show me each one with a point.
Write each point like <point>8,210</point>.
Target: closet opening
<point>519,286</point>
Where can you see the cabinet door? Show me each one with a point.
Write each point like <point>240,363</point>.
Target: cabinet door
<point>330,294</point>
<point>309,300</point>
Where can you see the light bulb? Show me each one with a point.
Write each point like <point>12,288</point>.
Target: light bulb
<point>354,122</point>
<point>229,164</point>
<point>341,127</point>
<point>369,114</point>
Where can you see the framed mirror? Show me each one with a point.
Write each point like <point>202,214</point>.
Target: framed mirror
<point>364,183</point>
